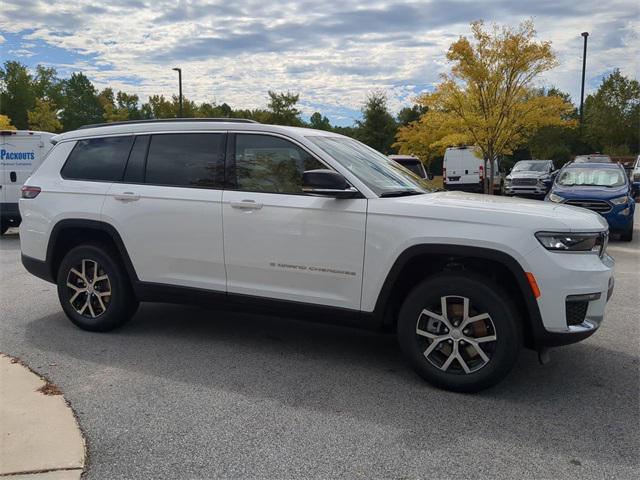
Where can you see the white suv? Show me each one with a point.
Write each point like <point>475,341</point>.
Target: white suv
<point>315,225</point>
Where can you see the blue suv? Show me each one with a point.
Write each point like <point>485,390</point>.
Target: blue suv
<point>601,187</point>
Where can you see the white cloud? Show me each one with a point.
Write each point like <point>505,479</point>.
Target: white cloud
<point>332,56</point>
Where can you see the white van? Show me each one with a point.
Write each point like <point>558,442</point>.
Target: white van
<point>463,169</point>
<point>21,152</point>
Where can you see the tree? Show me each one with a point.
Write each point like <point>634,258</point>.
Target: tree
<point>111,112</point>
<point>488,99</point>
<point>5,123</point>
<point>378,127</point>
<point>16,93</point>
<point>282,108</point>
<point>47,86</point>
<point>44,117</point>
<point>319,122</point>
<point>612,115</point>
<point>129,103</point>
<point>411,114</point>
<point>81,105</point>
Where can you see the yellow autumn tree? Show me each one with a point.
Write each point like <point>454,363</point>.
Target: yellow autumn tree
<point>44,117</point>
<point>5,123</point>
<point>488,99</point>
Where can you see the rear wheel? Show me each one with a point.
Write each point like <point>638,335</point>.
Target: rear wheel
<point>459,332</point>
<point>3,228</point>
<point>94,289</point>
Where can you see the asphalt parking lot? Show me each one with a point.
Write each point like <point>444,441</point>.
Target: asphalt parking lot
<point>184,392</point>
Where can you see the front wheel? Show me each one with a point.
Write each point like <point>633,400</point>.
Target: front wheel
<point>459,332</point>
<point>94,289</point>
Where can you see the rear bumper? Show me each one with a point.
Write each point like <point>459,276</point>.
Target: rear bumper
<point>39,268</point>
<point>10,212</point>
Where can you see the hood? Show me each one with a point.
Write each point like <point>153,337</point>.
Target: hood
<point>534,215</point>
<point>594,193</point>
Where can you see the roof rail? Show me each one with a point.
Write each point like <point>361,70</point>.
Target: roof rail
<point>168,120</point>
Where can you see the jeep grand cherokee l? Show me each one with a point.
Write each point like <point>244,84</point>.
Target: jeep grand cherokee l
<point>315,225</point>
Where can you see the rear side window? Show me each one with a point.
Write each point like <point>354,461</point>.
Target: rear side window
<point>186,160</point>
<point>100,159</point>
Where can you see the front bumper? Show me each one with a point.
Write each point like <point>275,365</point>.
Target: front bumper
<point>561,277</point>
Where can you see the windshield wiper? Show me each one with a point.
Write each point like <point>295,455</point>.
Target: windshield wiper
<point>400,193</point>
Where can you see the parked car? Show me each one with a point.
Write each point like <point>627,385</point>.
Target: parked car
<point>412,163</point>
<point>592,158</point>
<point>635,179</point>
<point>601,187</point>
<point>316,226</point>
<point>530,177</point>
<point>463,169</point>
<point>21,152</point>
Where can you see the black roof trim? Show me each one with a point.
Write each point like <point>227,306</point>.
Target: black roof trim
<point>168,120</point>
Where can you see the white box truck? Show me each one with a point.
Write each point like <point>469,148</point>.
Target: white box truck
<point>463,169</point>
<point>21,152</point>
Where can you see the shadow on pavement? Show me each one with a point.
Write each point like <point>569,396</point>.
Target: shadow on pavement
<point>362,375</point>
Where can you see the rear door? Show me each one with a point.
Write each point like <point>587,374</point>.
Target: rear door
<point>168,209</point>
<point>18,156</point>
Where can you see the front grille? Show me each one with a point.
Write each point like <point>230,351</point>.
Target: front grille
<point>576,311</point>
<point>524,181</point>
<point>599,206</point>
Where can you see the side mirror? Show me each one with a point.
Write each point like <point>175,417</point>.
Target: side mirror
<point>327,183</point>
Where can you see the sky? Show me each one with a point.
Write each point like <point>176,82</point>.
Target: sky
<point>331,53</point>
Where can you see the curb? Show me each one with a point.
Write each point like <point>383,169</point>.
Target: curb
<point>40,438</point>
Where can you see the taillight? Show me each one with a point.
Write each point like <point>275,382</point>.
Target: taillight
<point>444,175</point>
<point>481,173</point>
<point>30,192</point>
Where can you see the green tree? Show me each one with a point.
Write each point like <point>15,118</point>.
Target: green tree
<point>47,86</point>
<point>129,102</point>
<point>81,105</point>
<point>612,115</point>
<point>16,93</point>
<point>411,114</point>
<point>44,117</point>
<point>282,108</point>
<point>319,122</point>
<point>378,127</point>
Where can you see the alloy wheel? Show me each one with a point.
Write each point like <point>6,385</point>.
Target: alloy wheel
<point>90,289</point>
<point>455,337</point>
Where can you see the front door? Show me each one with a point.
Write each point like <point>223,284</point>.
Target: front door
<point>280,243</point>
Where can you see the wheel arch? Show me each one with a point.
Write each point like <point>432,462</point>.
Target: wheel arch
<point>420,261</point>
<point>69,233</point>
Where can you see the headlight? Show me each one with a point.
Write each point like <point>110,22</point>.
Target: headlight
<point>574,242</point>
<point>555,198</point>
<point>619,200</point>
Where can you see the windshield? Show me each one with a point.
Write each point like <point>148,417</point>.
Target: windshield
<point>595,177</point>
<point>530,167</point>
<point>381,174</point>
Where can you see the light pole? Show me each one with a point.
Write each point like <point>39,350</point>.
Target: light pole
<point>179,70</point>
<point>584,67</point>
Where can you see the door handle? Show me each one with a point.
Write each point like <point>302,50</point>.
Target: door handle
<point>246,205</point>
<point>127,196</point>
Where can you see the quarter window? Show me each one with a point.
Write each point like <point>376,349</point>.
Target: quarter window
<point>186,160</point>
<point>101,159</point>
<point>270,164</point>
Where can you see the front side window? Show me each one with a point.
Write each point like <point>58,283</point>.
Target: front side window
<point>264,163</point>
<point>592,177</point>
<point>98,159</point>
<point>386,177</point>
<point>186,160</point>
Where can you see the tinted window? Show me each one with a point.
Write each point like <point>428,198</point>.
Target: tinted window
<point>271,164</point>
<point>135,165</point>
<point>98,159</point>
<point>186,159</point>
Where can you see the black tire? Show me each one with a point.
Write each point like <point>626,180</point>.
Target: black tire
<point>120,304</point>
<point>628,235</point>
<point>484,297</point>
<point>3,228</point>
